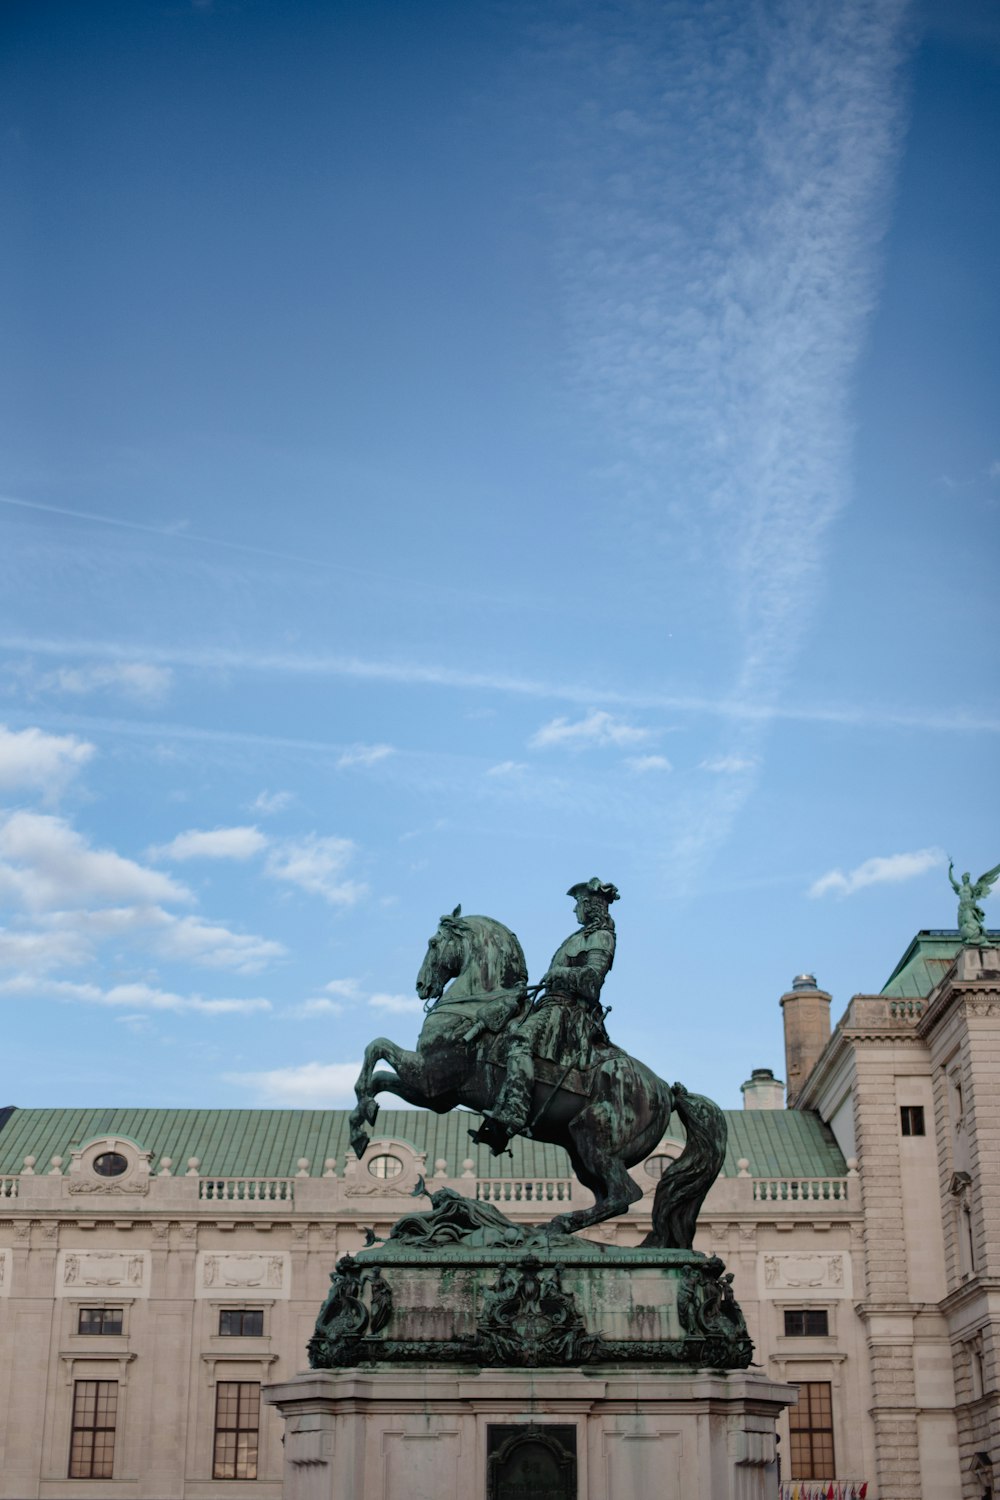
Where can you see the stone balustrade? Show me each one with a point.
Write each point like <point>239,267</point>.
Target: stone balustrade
<point>800,1189</point>
<point>8,1187</point>
<point>527,1190</point>
<point>246,1189</point>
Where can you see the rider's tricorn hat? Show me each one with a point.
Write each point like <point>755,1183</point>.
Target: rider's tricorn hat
<point>594,887</point>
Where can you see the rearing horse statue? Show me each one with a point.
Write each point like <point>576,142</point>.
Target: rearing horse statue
<point>608,1115</point>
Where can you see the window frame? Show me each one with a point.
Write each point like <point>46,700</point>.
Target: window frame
<point>814,1436</point>
<point>242,1313</point>
<point>81,1466</point>
<point>806,1313</point>
<point>219,1431</point>
<point>101,1332</point>
<point>912,1121</point>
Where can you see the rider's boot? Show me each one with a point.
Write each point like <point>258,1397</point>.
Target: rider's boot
<point>509,1116</point>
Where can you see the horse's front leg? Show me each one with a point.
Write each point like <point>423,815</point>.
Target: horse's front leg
<point>369,1084</point>
<point>365,1112</point>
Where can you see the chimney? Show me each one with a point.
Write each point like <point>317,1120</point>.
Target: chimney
<point>763,1091</point>
<point>807,1030</point>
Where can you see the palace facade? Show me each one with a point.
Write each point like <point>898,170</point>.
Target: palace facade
<point>159,1266</point>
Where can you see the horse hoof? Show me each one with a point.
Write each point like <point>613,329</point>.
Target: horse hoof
<point>359,1143</point>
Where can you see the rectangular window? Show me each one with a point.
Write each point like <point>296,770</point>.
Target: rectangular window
<point>911,1119</point>
<point>806,1322</point>
<point>100,1320</point>
<point>810,1426</point>
<point>237,1425</point>
<point>95,1410</point>
<point>241,1322</point>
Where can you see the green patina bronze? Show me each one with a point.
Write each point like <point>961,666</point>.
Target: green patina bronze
<point>971,917</point>
<point>460,1284</point>
<point>537,1061</point>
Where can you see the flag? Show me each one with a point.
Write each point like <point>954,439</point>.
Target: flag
<point>862,1492</point>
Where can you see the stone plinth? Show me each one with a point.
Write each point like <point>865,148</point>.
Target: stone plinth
<point>403,1433</point>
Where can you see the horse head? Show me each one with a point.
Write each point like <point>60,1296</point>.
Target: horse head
<point>444,956</point>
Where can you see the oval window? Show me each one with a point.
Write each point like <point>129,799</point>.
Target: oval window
<point>655,1166</point>
<point>110,1164</point>
<point>385,1166</point>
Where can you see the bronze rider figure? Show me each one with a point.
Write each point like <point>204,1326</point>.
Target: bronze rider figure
<point>566,1019</point>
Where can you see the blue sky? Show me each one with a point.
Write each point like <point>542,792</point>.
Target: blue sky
<point>454,450</point>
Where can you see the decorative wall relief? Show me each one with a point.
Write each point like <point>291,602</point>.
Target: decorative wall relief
<point>6,1267</point>
<point>234,1273</point>
<point>787,1271</point>
<point>86,1270</point>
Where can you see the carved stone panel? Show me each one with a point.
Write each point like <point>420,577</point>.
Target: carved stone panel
<point>98,1271</point>
<point>531,1462</point>
<point>239,1273</point>
<point>802,1272</point>
<point>6,1267</point>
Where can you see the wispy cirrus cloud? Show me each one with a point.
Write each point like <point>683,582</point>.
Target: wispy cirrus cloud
<point>269,804</point>
<point>143,682</point>
<point>239,843</point>
<point>507,768</point>
<point>641,765</point>
<point>887,869</point>
<point>728,765</point>
<point>728,183</point>
<point>596,728</point>
<point>744,711</point>
<point>364,755</point>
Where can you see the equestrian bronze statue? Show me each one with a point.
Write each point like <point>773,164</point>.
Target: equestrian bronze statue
<point>537,1061</point>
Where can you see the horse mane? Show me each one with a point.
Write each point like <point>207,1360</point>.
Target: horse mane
<point>497,953</point>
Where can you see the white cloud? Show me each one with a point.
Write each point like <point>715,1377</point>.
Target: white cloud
<point>142,681</point>
<point>309,1009</point>
<point>640,764</point>
<point>191,940</point>
<point>347,989</point>
<point>38,952</point>
<point>317,866</point>
<point>310,1085</point>
<point>365,755</point>
<point>135,996</point>
<point>213,843</point>
<point>45,864</point>
<point>46,762</point>
<point>507,768</point>
<point>268,803</point>
<point>881,870</point>
<point>727,765</point>
<point>398,1005</point>
<point>598,727</point>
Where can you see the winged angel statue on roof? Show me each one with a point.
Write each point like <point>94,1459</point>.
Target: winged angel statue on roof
<point>971,917</point>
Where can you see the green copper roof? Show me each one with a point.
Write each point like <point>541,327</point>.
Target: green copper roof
<point>923,965</point>
<point>269,1142</point>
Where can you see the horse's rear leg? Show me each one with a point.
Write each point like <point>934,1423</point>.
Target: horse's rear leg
<point>598,1162</point>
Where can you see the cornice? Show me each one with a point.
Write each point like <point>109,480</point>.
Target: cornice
<point>977,997</point>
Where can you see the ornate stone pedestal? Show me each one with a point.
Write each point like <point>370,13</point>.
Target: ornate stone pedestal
<point>469,1359</point>
<point>593,1433</point>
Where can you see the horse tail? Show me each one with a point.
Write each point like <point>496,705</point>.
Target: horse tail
<point>683,1187</point>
